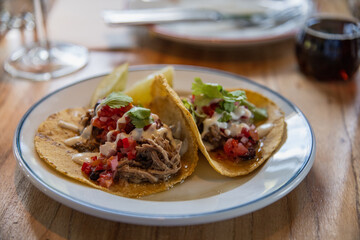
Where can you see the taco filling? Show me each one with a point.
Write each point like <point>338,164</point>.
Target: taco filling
<point>133,144</point>
<point>231,128</point>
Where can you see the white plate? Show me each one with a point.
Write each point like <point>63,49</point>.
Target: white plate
<point>228,33</point>
<point>204,197</point>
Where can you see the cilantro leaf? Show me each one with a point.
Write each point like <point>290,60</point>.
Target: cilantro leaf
<point>234,96</point>
<point>225,117</point>
<point>117,100</point>
<point>228,106</point>
<point>140,116</point>
<point>205,93</point>
<point>210,90</point>
<point>219,110</point>
<point>237,94</point>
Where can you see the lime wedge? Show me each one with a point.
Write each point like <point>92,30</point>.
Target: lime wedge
<point>141,90</point>
<point>114,82</point>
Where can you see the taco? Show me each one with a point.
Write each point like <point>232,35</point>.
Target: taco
<point>120,148</point>
<point>237,130</point>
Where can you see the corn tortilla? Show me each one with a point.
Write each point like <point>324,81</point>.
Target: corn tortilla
<point>49,143</point>
<point>269,143</point>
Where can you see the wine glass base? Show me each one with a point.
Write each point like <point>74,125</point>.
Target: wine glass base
<point>40,64</point>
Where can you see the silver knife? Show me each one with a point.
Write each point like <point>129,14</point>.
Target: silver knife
<point>171,15</point>
<point>158,16</point>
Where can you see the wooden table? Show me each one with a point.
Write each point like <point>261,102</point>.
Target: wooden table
<point>326,205</point>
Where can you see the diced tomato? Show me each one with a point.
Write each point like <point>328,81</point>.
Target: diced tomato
<point>245,132</point>
<point>254,135</point>
<point>126,143</point>
<point>113,162</point>
<point>105,182</point>
<point>209,110</point>
<point>147,127</point>
<point>250,133</point>
<point>107,111</point>
<point>234,148</point>
<point>131,155</point>
<point>96,122</point>
<point>132,144</point>
<point>129,127</point>
<point>119,144</point>
<point>99,167</point>
<point>240,150</point>
<point>105,179</point>
<point>86,168</point>
<point>95,163</point>
<point>107,118</point>
<point>129,143</point>
<point>128,148</point>
<point>104,119</point>
<point>120,155</point>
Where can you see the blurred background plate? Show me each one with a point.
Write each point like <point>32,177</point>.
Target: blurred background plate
<point>229,33</point>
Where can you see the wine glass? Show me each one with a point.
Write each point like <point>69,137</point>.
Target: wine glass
<point>43,60</point>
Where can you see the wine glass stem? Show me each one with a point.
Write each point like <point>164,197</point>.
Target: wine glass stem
<point>40,11</point>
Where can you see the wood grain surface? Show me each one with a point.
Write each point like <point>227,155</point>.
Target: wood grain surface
<point>326,204</point>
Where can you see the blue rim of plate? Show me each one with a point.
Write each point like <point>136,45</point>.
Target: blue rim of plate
<point>276,194</point>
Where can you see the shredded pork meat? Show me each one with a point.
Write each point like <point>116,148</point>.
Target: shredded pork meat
<point>215,137</point>
<point>155,161</point>
<point>89,146</point>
